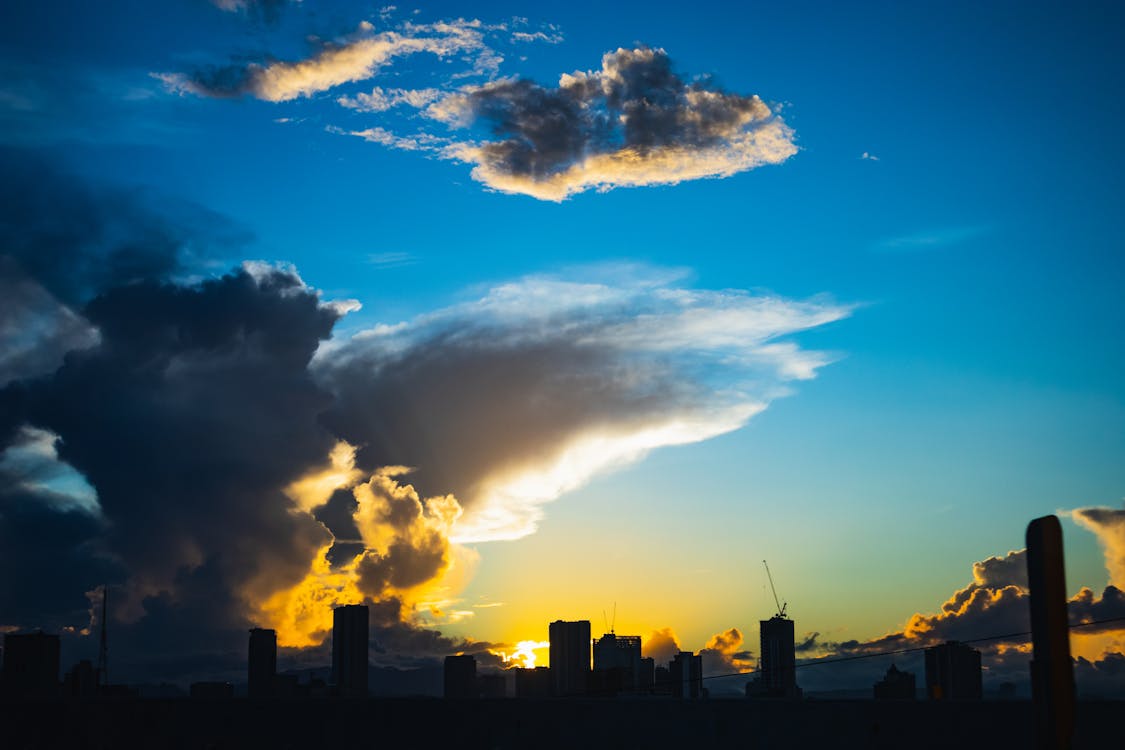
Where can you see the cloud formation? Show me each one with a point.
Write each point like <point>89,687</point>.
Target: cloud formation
<point>357,57</point>
<point>529,392</point>
<point>201,443</point>
<point>1108,524</point>
<point>633,122</point>
<point>994,604</point>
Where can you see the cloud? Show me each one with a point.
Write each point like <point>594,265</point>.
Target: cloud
<point>529,392</point>
<point>994,604</point>
<point>933,238</point>
<point>868,157</point>
<point>380,99</point>
<point>634,122</point>
<point>267,10</point>
<point>257,471</point>
<point>1108,524</point>
<point>661,646</point>
<point>355,58</point>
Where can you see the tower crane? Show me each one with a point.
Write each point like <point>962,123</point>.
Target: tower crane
<point>780,607</point>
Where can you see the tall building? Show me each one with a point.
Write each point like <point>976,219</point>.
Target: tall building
<point>686,671</point>
<point>349,650</point>
<point>31,664</point>
<point>896,685</point>
<point>620,654</point>
<point>261,664</point>
<point>953,672</point>
<point>777,664</point>
<point>460,677</point>
<point>570,656</point>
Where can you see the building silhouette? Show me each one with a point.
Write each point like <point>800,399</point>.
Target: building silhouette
<point>570,656</point>
<point>261,663</point>
<point>534,682</point>
<point>618,657</point>
<point>460,677</point>
<point>686,675</point>
<point>646,678</point>
<point>953,672</point>
<point>493,685</point>
<point>211,690</point>
<point>81,681</point>
<point>777,665</point>
<point>896,685</point>
<point>349,650</point>
<point>31,664</point>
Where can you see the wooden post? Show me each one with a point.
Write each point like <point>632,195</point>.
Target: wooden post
<point>1052,671</point>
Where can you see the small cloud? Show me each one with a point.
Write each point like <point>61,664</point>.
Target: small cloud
<point>867,156</point>
<point>489,605</point>
<point>932,238</point>
<point>391,260</point>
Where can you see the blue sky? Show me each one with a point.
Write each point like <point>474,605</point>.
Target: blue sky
<point>957,188</point>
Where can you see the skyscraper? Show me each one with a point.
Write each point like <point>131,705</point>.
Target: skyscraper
<point>570,656</point>
<point>349,650</point>
<point>953,672</point>
<point>778,661</point>
<point>261,664</point>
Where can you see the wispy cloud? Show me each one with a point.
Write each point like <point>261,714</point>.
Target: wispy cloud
<point>357,57</point>
<point>391,259</point>
<point>866,156</point>
<point>933,238</point>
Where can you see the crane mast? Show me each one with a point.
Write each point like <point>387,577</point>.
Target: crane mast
<point>780,607</point>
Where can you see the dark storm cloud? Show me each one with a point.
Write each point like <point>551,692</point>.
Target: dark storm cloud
<point>188,417</point>
<point>65,240</point>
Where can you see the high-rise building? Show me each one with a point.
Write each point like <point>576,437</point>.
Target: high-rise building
<point>461,677</point>
<point>31,664</point>
<point>570,656</point>
<point>777,665</point>
<point>620,654</point>
<point>686,675</point>
<point>261,664</point>
<point>349,650</point>
<point>896,685</point>
<point>953,672</point>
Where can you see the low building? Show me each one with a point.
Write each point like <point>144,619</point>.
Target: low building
<point>896,685</point>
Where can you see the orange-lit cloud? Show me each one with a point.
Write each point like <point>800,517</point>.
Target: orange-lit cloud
<point>357,57</point>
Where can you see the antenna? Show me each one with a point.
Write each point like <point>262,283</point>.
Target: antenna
<point>103,648</point>
<point>613,622</point>
<point>780,607</point>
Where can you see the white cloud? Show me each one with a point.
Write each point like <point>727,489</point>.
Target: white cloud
<point>542,384</point>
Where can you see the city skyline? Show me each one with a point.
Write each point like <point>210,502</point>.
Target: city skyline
<point>490,317</point>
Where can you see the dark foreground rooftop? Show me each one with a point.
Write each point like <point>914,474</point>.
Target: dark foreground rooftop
<point>643,723</point>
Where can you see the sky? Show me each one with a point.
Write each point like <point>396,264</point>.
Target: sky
<point>495,314</point>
